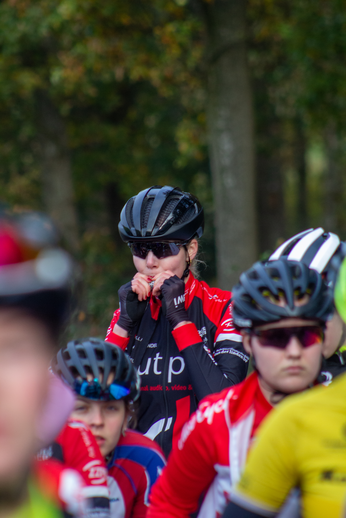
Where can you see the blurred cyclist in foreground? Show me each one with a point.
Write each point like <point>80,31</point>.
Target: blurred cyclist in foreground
<point>281,309</point>
<point>34,299</point>
<point>301,444</point>
<point>106,384</point>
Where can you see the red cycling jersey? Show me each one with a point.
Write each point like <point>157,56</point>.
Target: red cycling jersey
<point>210,453</point>
<point>132,470</point>
<point>77,448</point>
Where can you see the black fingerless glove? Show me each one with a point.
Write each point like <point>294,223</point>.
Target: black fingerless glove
<point>131,309</point>
<point>173,300</point>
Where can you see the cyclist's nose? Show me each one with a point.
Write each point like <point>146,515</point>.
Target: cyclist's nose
<point>96,417</point>
<point>151,259</point>
<point>294,348</point>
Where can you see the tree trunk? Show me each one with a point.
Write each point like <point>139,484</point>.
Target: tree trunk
<point>58,194</point>
<point>270,193</point>
<point>300,163</point>
<point>230,135</point>
<point>333,185</point>
<point>114,204</point>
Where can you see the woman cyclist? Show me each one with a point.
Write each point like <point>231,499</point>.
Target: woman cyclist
<point>281,309</point>
<point>106,384</point>
<point>177,330</point>
<point>319,250</point>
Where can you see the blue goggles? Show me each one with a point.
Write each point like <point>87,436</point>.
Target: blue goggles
<point>93,390</point>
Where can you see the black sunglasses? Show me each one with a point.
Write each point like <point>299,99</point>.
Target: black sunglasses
<point>280,336</point>
<point>160,250</point>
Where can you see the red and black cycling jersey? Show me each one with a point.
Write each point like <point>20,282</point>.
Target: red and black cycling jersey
<point>179,368</point>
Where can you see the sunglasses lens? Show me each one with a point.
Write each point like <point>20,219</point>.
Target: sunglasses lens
<point>311,336</point>
<point>117,391</point>
<point>280,337</point>
<point>139,250</point>
<point>90,390</point>
<point>93,390</point>
<point>160,250</point>
<point>272,338</point>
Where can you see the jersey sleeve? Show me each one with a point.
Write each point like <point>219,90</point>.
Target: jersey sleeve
<point>189,471</point>
<point>271,471</point>
<point>218,366</point>
<point>81,452</point>
<point>228,350</point>
<point>112,337</point>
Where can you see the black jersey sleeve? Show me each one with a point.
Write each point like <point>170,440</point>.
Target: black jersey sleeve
<point>211,371</point>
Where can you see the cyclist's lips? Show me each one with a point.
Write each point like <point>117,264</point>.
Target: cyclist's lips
<point>294,369</point>
<point>99,439</point>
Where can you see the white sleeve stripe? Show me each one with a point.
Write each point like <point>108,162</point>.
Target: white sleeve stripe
<point>234,337</point>
<point>90,492</point>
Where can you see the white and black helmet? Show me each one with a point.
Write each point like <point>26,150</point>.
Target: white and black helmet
<point>314,247</point>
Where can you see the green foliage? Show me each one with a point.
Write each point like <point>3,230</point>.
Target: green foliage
<point>129,80</point>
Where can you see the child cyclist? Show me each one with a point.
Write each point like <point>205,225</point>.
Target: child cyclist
<point>281,309</point>
<point>177,329</point>
<point>106,384</point>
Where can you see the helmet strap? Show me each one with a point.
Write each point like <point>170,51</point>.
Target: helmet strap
<point>187,269</point>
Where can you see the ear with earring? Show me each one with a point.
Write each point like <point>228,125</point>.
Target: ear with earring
<point>187,269</point>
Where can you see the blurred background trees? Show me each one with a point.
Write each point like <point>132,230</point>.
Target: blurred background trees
<point>241,102</point>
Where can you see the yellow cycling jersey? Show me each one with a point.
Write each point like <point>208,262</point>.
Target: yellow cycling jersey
<point>301,444</point>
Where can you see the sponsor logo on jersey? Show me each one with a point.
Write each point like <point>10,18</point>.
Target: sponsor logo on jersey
<point>332,476</point>
<point>96,472</point>
<point>151,346</point>
<point>205,412</point>
<point>228,324</point>
<point>176,366</point>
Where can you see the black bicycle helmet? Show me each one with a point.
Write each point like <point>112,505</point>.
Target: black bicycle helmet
<point>256,296</point>
<point>35,273</point>
<point>314,247</point>
<point>161,213</point>
<point>97,370</point>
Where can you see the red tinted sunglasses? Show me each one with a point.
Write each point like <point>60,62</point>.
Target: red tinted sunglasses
<point>280,336</point>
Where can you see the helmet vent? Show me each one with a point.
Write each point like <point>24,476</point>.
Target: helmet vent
<point>185,217</point>
<point>81,353</point>
<point>166,211</point>
<point>99,354</point>
<point>148,202</point>
<point>129,207</point>
<point>74,372</point>
<point>66,355</point>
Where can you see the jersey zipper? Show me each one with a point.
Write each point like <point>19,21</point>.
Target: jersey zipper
<point>164,382</point>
